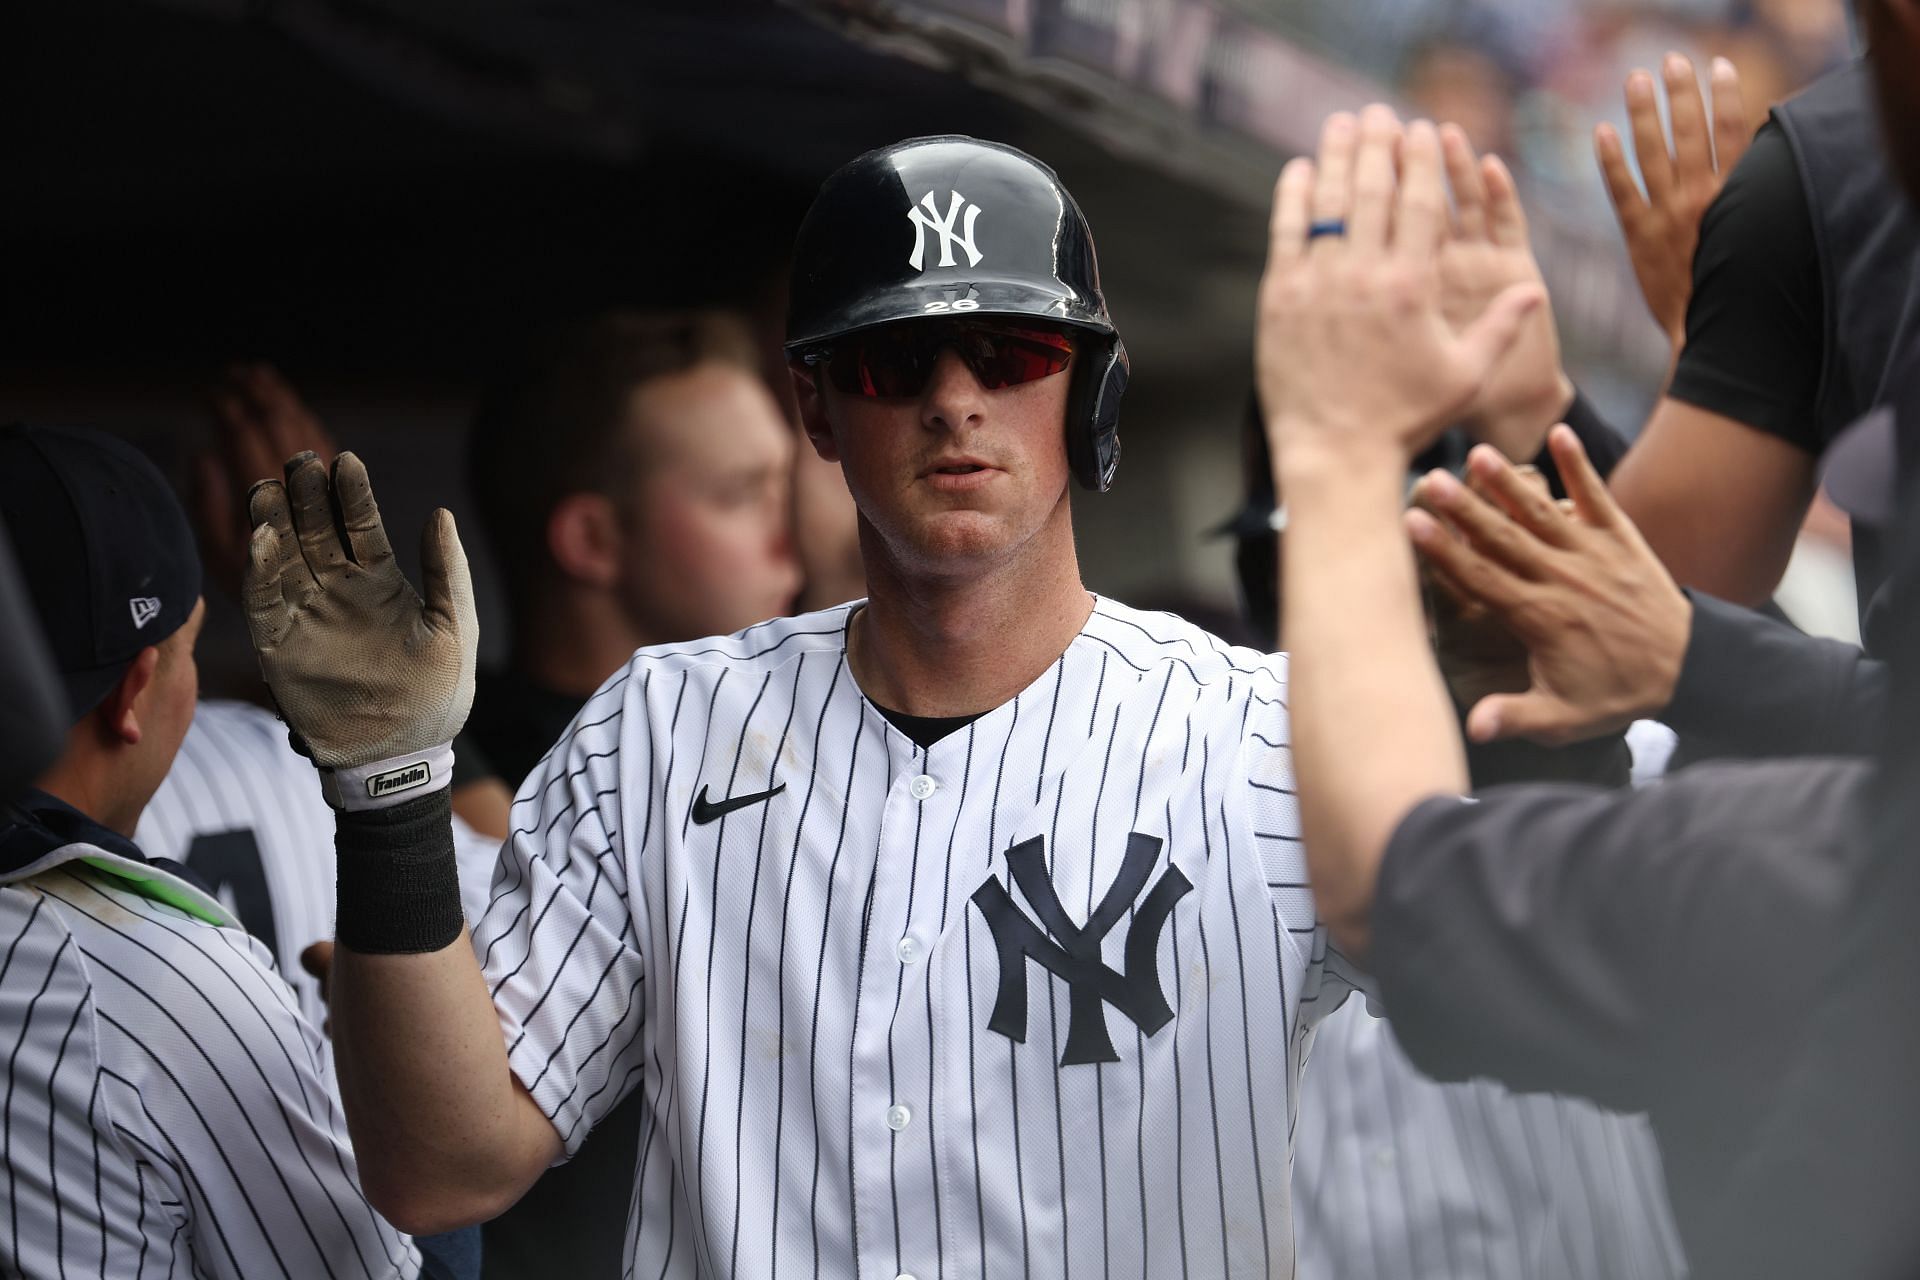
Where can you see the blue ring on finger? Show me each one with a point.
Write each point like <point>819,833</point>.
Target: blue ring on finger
<point>1327,227</point>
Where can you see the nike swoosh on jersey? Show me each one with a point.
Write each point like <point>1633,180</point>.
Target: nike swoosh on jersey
<point>705,811</point>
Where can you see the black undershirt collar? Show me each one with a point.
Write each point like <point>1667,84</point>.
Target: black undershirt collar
<point>926,730</point>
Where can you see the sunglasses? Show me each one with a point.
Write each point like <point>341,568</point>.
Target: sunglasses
<point>896,361</point>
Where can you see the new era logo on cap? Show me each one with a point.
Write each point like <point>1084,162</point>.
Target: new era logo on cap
<point>145,610</point>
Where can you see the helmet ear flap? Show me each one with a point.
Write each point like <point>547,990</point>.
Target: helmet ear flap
<point>1093,415</point>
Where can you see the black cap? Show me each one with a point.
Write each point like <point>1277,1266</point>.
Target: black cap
<point>104,546</point>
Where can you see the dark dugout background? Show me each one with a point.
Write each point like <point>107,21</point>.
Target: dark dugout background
<point>384,197</point>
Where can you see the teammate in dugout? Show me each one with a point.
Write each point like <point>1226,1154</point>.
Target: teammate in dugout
<point>167,1107</point>
<point>962,930</point>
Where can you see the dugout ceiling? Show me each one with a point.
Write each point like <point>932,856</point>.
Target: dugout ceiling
<point>384,196</point>
<point>367,182</point>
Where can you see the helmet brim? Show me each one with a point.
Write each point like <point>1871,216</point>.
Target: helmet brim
<point>978,297</point>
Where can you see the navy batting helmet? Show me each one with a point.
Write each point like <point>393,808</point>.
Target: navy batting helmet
<point>950,226</point>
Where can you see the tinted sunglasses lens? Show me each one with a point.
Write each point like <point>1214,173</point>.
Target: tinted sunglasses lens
<point>885,363</point>
<point>1009,357</point>
<point>896,362</point>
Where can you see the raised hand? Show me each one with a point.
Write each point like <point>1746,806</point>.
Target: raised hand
<point>258,421</point>
<point>1604,626</point>
<point>1353,348</point>
<point>362,669</point>
<point>1487,253</point>
<point>1662,227</point>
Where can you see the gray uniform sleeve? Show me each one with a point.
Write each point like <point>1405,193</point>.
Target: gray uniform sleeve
<point>1613,945</point>
<point>1751,686</point>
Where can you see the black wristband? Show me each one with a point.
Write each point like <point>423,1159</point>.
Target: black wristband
<point>399,884</point>
<point>1604,443</point>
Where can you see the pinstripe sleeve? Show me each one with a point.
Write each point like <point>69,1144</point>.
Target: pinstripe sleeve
<point>1275,807</point>
<point>211,1097</point>
<point>557,942</point>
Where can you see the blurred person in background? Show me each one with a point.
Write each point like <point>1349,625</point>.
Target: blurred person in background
<point>826,534</point>
<point>1466,73</point>
<point>1810,36</point>
<point>633,475</point>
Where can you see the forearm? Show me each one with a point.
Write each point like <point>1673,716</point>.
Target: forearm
<point>1750,686</point>
<point>445,1134</point>
<point>1374,731</point>
<point>1720,502</point>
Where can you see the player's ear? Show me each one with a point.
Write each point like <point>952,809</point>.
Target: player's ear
<point>583,538</point>
<point>118,715</point>
<point>813,411</point>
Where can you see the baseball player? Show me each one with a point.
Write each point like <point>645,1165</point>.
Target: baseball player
<point>958,931</point>
<point>167,1110</point>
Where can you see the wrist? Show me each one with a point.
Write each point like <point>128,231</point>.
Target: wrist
<point>1565,393</point>
<point>1670,659</point>
<point>1305,458</point>
<point>398,882</point>
<point>1669,662</point>
<point>381,784</point>
<point>1520,432</point>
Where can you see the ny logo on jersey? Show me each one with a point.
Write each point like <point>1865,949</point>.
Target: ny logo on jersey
<point>1075,957</point>
<point>932,220</point>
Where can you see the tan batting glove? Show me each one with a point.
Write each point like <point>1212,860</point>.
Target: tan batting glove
<point>373,680</point>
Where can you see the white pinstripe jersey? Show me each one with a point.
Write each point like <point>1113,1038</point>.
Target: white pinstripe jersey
<point>243,809</point>
<point>820,992</point>
<point>167,1111</point>
<point>1397,1177</point>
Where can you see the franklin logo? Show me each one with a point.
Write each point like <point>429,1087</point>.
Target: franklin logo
<point>145,609</point>
<point>1075,957</point>
<point>405,778</point>
<point>932,220</point>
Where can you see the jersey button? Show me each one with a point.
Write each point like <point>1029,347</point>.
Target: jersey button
<point>898,1117</point>
<point>910,950</point>
<point>904,1275</point>
<point>923,786</point>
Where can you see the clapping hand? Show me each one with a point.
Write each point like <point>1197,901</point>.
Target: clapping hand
<point>1354,349</point>
<point>1488,252</point>
<point>1662,227</point>
<point>1604,625</point>
<point>259,421</point>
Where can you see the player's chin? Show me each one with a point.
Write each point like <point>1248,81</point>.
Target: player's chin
<point>961,535</point>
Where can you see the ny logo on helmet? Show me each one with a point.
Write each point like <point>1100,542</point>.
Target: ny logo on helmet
<point>934,221</point>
